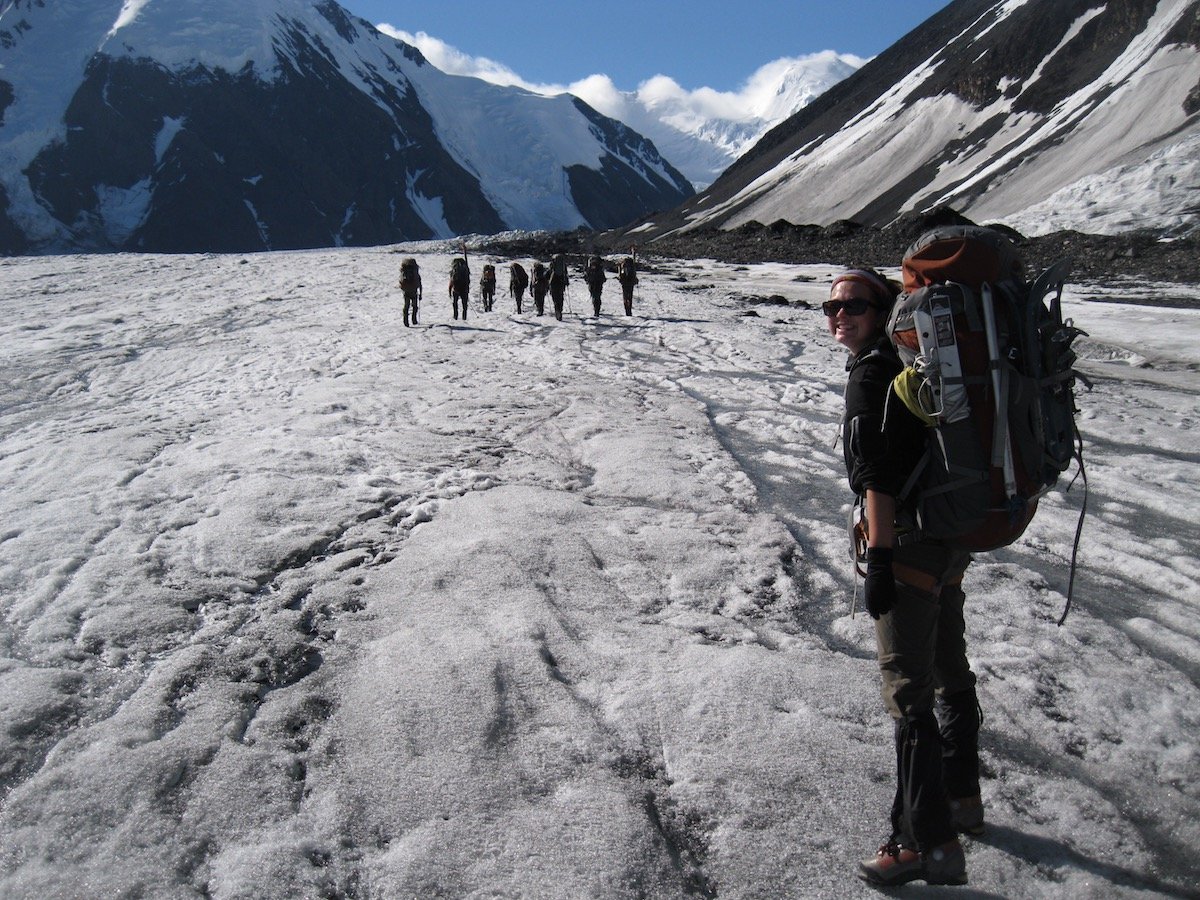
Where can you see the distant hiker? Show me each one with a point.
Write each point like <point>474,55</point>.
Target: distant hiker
<point>487,287</point>
<point>914,593</point>
<point>518,281</point>
<point>593,274</point>
<point>460,284</point>
<point>558,282</point>
<point>540,285</point>
<point>410,287</point>
<point>627,276</point>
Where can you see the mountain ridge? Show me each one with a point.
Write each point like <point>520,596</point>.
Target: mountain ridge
<point>1090,126</point>
<point>225,127</point>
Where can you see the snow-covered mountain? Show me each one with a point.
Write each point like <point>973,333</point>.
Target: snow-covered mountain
<point>700,130</point>
<point>703,132</point>
<point>267,124</point>
<point>1043,114</point>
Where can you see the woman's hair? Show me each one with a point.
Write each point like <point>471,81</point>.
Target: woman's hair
<point>885,290</point>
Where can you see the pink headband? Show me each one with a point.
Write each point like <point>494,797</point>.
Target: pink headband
<point>861,276</point>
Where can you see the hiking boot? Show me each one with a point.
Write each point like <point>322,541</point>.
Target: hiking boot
<point>895,864</point>
<point>966,815</point>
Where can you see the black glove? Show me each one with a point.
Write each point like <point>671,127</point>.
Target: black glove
<point>880,585</point>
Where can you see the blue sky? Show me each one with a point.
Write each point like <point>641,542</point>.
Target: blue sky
<point>699,43</point>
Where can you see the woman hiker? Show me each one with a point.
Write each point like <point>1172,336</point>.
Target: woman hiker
<point>914,593</point>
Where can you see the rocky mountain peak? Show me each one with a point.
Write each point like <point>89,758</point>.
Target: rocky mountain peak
<point>271,124</point>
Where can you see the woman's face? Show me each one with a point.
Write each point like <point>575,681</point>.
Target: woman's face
<point>853,332</point>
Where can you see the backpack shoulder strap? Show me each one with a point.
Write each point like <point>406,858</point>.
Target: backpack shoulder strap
<point>882,350</point>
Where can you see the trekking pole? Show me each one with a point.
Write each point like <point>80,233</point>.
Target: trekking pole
<point>858,547</point>
<point>1001,443</point>
<point>637,296</point>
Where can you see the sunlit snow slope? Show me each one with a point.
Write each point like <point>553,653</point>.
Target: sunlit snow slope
<point>1039,113</point>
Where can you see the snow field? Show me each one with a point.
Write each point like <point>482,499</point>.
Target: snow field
<point>296,601</point>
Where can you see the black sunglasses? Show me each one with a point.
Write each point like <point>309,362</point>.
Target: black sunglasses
<point>853,307</point>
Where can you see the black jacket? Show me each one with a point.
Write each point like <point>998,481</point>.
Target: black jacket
<point>879,455</point>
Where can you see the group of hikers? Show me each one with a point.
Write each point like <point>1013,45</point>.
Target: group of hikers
<point>544,279</point>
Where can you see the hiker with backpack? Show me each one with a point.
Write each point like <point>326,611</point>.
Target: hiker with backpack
<point>914,594</point>
<point>627,276</point>
<point>460,284</point>
<point>518,281</point>
<point>960,414</point>
<point>487,287</point>
<point>593,274</point>
<point>558,282</point>
<point>410,288</point>
<point>539,286</point>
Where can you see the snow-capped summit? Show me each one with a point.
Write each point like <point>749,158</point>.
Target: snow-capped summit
<point>800,81</point>
<point>1042,114</point>
<point>703,132</point>
<point>267,124</point>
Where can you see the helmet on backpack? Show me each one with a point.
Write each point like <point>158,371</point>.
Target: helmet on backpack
<point>968,254</point>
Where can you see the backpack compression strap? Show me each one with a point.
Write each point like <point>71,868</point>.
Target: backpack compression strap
<point>1079,526</point>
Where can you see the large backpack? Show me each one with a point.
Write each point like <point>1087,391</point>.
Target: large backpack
<point>989,368</point>
<point>627,270</point>
<point>558,270</point>
<point>489,274</point>
<point>459,273</point>
<point>595,269</point>
<point>409,273</point>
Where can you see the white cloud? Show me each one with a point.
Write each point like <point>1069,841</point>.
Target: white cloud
<point>660,94</point>
<point>699,130</point>
<point>129,12</point>
<point>450,59</point>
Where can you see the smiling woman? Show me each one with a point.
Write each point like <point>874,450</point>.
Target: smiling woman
<point>857,308</point>
<point>913,591</point>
